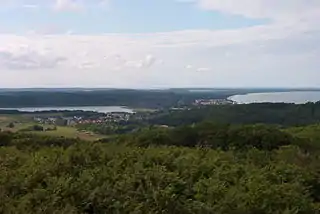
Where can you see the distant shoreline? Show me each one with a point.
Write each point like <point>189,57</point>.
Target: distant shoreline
<point>99,109</point>
<point>296,97</point>
<point>164,88</point>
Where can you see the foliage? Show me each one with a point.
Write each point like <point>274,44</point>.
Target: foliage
<point>310,135</point>
<point>197,168</point>
<point>214,136</point>
<point>268,113</point>
<point>5,138</point>
<point>105,97</point>
<point>33,128</point>
<point>108,128</point>
<point>24,141</point>
<point>11,125</point>
<point>97,178</point>
<point>38,128</point>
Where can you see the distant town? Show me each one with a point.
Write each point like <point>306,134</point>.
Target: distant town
<point>207,102</point>
<point>75,120</point>
<point>93,125</point>
<point>116,117</point>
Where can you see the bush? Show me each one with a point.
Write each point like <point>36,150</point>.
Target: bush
<point>215,136</point>
<point>11,125</point>
<point>37,128</point>
<point>117,179</point>
<point>5,138</point>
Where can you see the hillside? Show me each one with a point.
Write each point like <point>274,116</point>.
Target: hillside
<point>255,169</point>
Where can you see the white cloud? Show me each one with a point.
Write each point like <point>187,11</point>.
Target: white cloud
<point>144,62</point>
<point>26,58</point>
<point>31,6</point>
<point>283,52</point>
<point>148,61</point>
<point>257,56</point>
<point>79,5</point>
<point>203,69</point>
<point>273,9</point>
<point>56,5</point>
<point>68,5</point>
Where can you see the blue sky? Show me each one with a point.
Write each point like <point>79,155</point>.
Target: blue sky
<point>122,16</point>
<point>159,43</point>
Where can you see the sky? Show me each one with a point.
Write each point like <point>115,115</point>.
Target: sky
<point>159,43</point>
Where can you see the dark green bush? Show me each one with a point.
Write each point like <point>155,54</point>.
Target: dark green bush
<point>99,178</point>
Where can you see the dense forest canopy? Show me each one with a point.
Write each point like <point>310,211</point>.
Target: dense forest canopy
<point>132,98</point>
<point>57,175</point>
<point>209,135</point>
<point>269,113</point>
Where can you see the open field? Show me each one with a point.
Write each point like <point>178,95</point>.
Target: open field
<point>18,121</point>
<point>142,110</point>
<point>23,122</point>
<point>70,132</point>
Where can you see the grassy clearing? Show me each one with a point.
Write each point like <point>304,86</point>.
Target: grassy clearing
<point>70,132</point>
<point>18,121</point>
<point>5,120</point>
<point>142,110</point>
<point>22,122</point>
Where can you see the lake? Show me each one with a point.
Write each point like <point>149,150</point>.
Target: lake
<point>297,97</point>
<point>100,109</point>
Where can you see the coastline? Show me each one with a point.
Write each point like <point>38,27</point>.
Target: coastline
<point>296,97</point>
<point>100,109</point>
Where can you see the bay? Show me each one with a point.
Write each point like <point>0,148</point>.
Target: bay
<point>297,97</point>
<point>100,109</point>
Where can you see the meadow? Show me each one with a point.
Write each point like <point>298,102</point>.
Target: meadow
<point>22,122</point>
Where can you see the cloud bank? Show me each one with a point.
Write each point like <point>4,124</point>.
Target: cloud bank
<point>283,52</point>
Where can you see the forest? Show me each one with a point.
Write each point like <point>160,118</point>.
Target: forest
<point>277,114</point>
<point>205,167</point>
<point>107,97</point>
<point>256,158</point>
<point>284,114</point>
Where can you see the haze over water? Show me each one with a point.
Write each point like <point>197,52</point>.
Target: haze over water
<point>101,109</point>
<point>297,97</point>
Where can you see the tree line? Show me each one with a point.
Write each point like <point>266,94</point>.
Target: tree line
<point>268,113</point>
<point>215,136</point>
<point>112,97</point>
